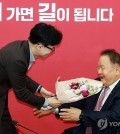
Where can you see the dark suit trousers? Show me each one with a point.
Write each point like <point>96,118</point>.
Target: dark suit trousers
<point>6,125</point>
<point>73,130</point>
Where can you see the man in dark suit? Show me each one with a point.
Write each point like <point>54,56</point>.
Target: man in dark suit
<point>100,113</point>
<point>15,60</point>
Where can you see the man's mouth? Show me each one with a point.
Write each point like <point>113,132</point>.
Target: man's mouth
<point>101,77</point>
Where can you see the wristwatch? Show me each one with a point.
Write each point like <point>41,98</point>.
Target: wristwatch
<point>81,119</point>
<point>39,88</point>
<point>81,116</point>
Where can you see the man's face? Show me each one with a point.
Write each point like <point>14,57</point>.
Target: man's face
<point>45,51</point>
<point>107,71</point>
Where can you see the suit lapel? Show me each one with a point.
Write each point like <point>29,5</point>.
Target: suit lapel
<point>114,92</point>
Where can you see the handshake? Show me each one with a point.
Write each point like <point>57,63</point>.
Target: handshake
<point>51,103</point>
<point>54,102</point>
<point>51,98</point>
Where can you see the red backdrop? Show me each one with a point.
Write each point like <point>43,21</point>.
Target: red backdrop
<point>96,29</point>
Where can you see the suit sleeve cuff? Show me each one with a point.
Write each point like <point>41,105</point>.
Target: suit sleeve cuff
<point>39,89</point>
<point>45,103</point>
<point>81,118</point>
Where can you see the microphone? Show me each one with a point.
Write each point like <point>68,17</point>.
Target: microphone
<point>15,123</point>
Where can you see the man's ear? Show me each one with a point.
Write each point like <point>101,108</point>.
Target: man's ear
<point>118,70</point>
<point>39,46</point>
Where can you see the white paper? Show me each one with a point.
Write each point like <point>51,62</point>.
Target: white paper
<point>66,94</point>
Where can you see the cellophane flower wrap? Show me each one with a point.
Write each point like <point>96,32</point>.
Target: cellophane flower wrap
<point>77,89</point>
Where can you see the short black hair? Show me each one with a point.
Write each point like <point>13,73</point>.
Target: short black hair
<point>113,55</point>
<point>45,34</point>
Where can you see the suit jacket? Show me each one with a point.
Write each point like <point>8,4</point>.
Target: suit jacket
<point>14,62</point>
<point>110,113</point>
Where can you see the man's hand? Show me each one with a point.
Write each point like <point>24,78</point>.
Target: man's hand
<point>41,112</point>
<point>45,93</point>
<point>71,114</point>
<point>54,102</point>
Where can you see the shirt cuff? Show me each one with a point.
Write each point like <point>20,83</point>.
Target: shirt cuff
<point>45,103</point>
<point>39,89</point>
<point>56,111</point>
<point>47,108</point>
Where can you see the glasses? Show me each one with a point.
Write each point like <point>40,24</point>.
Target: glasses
<point>52,49</point>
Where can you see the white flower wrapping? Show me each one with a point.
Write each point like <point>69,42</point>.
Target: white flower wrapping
<point>76,89</point>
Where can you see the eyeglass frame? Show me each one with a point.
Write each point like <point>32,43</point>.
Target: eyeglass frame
<point>52,49</point>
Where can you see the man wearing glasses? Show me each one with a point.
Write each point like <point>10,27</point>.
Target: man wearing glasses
<point>15,60</point>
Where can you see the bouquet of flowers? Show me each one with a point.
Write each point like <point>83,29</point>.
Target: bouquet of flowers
<point>77,89</point>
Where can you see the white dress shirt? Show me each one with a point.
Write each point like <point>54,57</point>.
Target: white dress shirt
<point>111,87</point>
<point>32,60</point>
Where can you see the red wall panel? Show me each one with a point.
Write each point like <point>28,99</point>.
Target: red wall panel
<point>76,56</point>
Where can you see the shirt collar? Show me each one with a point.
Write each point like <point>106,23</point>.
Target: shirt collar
<point>114,84</point>
<point>32,58</point>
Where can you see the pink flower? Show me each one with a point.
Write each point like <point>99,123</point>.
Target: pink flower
<point>74,85</point>
<point>85,93</point>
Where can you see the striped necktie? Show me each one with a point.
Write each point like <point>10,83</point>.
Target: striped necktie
<point>100,100</point>
<point>97,107</point>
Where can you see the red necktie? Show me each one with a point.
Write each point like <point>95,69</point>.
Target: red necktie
<point>97,108</point>
<point>88,130</point>
<point>100,100</point>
